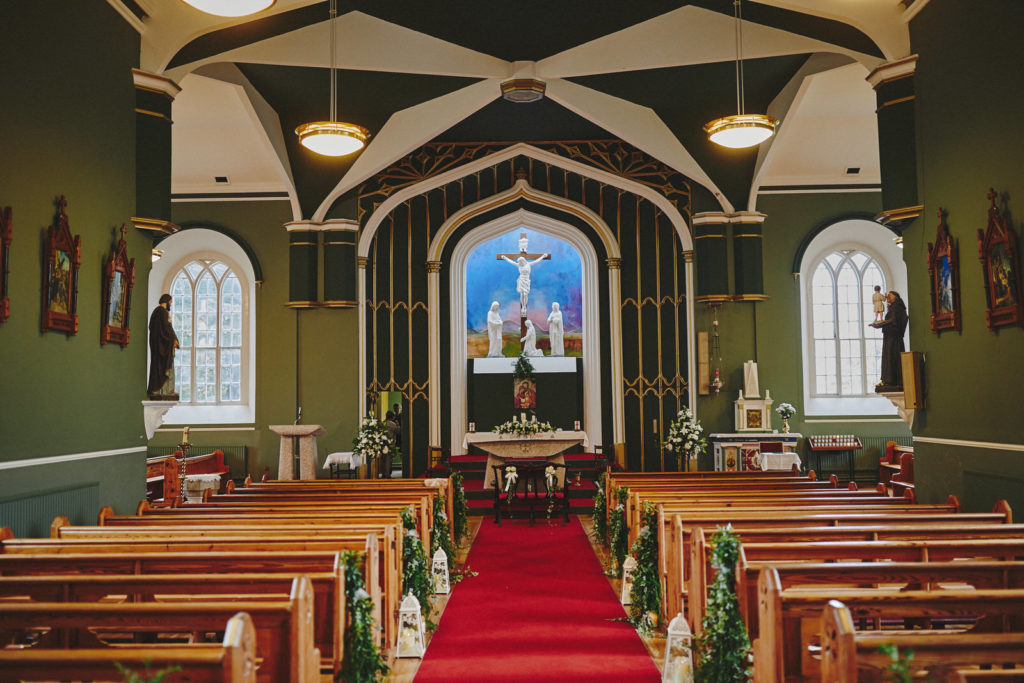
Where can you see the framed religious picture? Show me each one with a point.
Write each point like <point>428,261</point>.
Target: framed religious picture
<point>5,257</point>
<point>118,280</point>
<point>997,249</point>
<point>944,279</point>
<point>62,254</point>
<point>525,393</point>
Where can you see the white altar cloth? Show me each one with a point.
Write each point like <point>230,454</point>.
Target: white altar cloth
<point>779,461</point>
<point>542,446</point>
<point>344,458</point>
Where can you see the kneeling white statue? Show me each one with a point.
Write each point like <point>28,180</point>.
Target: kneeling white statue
<point>530,341</point>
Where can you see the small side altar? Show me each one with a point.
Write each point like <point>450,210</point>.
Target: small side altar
<point>541,446</point>
<point>738,452</point>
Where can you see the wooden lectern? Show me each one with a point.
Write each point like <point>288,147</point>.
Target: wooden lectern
<point>306,434</point>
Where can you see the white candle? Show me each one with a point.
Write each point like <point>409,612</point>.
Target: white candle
<point>535,419</point>
<point>515,419</point>
<point>522,416</point>
<point>184,435</point>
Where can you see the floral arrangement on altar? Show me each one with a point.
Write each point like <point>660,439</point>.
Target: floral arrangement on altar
<point>685,435</point>
<point>785,410</point>
<point>523,427</point>
<point>373,441</point>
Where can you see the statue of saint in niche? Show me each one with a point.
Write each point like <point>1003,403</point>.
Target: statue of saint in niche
<point>162,342</point>
<point>494,325</point>
<point>556,331</point>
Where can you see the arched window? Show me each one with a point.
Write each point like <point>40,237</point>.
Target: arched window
<point>839,271</point>
<point>847,352</point>
<point>207,316</point>
<point>213,285</point>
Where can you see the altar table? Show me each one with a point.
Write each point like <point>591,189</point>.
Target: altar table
<point>544,446</point>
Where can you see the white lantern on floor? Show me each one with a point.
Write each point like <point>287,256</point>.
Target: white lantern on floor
<point>439,571</point>
<point>678,652</point>
<point>628,572</point>
<point>411,639</point>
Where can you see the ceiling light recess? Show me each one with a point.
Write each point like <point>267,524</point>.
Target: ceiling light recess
<point>230,8</point>
<point>523,90</point>
<point>332,138</point>
<point>741,130</point>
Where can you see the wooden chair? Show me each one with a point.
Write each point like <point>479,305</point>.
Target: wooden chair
<point>514,492</point>
<point>555,498</point>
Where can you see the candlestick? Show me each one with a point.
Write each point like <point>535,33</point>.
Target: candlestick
<point>184,435</point>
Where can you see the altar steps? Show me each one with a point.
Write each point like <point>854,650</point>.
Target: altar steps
<point>481,501</point>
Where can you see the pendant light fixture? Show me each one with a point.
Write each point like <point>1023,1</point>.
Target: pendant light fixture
<point>230,8</point>
<point>332,138</point>
<point>741,130</point>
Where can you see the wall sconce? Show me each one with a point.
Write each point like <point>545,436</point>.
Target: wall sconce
<point>678,666</point>
<point>439,571</point>
<point>628,572</point>
<point>411,641</point>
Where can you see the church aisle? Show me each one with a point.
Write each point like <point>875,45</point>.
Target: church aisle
<point>540,610</point>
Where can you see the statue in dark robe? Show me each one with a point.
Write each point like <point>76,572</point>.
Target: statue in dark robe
<point>893,328</point>
<point>162,342</point>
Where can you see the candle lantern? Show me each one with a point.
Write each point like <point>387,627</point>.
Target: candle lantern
<point>678,652</point>
<point>439,570</point>
<point>628,572</point>
<point>411,639</point>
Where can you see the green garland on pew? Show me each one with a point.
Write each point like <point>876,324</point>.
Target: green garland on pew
<point>415,567</point>
<point>440,537</point>
<point>724,646</point>
<point>460,508</point>
<point>363,661</point>
<point>617,531</point>
<point>646,594</point>
<point>600,513</point>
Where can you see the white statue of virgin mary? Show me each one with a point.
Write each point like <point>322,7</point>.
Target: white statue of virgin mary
<point>494,325</point>
<point>555,331</point>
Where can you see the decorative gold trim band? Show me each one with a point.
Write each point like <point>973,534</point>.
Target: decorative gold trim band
<point>155,114</point>
<point>302,304</point>
<point>339,303</point>
<point>688,256</point>
<point>748,234</point>
<point>614,263</point>
<point>712,298</point>
<point>898,100</point>
<point>154,225</point>
<point>433,266</point>
<point>750,297</point>
<point>705,236</point>
<point>302,244</point>
<point>901,214</point>
<point>361,262</point>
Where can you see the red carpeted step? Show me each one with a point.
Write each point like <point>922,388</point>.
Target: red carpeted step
<point>540,610</point>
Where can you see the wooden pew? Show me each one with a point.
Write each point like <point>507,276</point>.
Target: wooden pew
<point>233,662</point>
<point>383,569</point>
<point>674,538</point>
<point>328,595</point>
<point>848,656</point>
<point>163,474</point>
<point>791,618</point>
<point>284,628</point>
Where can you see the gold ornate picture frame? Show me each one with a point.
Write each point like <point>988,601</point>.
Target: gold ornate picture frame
<point>997,250</point>
<point>6,232</point>
<point>944,278</point>
<point>62,255</point>
<point>118,281</point>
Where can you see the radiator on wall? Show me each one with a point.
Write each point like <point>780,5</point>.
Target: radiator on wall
<point>29,515</point>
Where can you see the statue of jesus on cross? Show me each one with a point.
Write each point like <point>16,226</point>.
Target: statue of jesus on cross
<point>524,261</point>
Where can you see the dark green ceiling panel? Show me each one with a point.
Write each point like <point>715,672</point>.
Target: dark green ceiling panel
<point>518,122</point>
<point>686,98</point>
<point>528,30</point>
<point>301,95</point>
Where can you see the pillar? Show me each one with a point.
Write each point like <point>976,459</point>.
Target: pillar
<point>894,91</point>
<point>340,263</point>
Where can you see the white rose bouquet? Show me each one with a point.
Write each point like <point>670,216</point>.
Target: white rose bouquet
<point>686,436</point>
<point>785,410</point>
<point>523,427</point>
<point>373,440</point>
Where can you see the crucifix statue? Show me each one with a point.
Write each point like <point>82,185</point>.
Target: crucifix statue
<point>524,261</point>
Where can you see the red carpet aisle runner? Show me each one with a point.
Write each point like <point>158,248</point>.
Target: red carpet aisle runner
<point>540,610</point>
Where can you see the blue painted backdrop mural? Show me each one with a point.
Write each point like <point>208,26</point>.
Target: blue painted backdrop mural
<point>558,279</point>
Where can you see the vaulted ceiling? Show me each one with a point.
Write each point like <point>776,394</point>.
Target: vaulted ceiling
<point>650,72</point>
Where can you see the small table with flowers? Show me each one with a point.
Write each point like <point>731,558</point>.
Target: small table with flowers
<point>541,446</point>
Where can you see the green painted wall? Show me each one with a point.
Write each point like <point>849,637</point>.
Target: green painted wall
<point>304,357</point>
<point>967,98</point>
<point>770,331</point>
<point>68,127</point>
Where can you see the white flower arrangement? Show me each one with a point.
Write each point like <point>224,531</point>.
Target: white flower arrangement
<point>549,479</point>
<point>373,440</point>
<point>523,427</point>
<point>510,482</point>
<point>785,410</point>
<point>685,436</point>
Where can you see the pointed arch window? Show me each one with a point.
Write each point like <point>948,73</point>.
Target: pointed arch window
<point>846,351</point>
<point>208,316</point>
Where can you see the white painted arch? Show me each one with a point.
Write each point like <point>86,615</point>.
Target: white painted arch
<point>521,189</point>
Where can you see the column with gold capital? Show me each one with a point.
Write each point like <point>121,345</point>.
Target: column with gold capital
<point>154,95</point>
<point>340,237</point>
<point>303,263</point>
